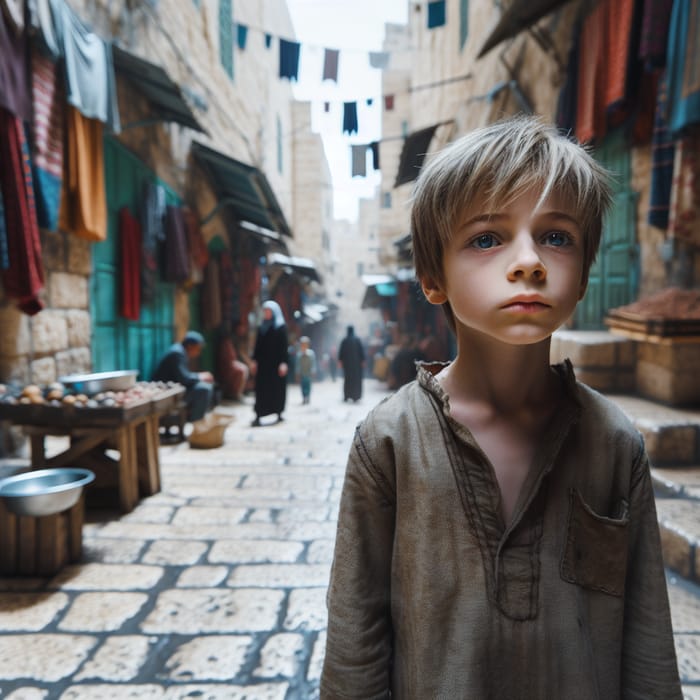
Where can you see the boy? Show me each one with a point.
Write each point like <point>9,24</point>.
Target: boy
<point>306,364</point>
<point>497,536</point>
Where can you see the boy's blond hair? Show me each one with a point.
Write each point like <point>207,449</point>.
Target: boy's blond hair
<point>500,162</point>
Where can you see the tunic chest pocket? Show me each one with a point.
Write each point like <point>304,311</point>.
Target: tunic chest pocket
<point>595,551</point>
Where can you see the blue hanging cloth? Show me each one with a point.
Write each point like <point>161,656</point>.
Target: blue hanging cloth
<point>241,35</point>
<point>350,117</point>
<point>289,59</point>
<point>436,14</point>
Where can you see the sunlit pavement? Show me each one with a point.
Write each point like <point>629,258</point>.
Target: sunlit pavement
<point>215,587</point>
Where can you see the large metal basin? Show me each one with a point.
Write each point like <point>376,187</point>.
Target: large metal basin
<point>44,491</point>
<point>100,381</point>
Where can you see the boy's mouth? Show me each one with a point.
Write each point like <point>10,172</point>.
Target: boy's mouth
<point>526,304</point>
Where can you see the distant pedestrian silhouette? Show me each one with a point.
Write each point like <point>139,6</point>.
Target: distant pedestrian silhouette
<point>351,357</point>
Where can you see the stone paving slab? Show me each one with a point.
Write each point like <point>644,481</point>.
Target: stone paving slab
<point>215,587</point>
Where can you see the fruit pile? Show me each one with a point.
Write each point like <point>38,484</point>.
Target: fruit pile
<point>56,394</point>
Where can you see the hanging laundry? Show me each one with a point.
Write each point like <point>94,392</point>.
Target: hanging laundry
<point>41,17</point>
<point>241,35</point>
<point>14,80</point>
<point>370,101</point>
<point>4,254</point>
<point>388,102</point>
<point>90,81</point>
<point>379,59</point>
<point>268,41</point>
<point>129,260</point>
<point>436,14</point>
<point>566,102</point>
<point>656,15</point>
<point>374,147</point>
<point>662,154</point>
<point>683,66</point>
<point>197,250</point>
<point>330,64</point>
<point>289,59</point>
<point>359,160</point>
<point>151,216</point>
<point>350,117</point>
<point>326,107</point>
<point>210,310</point>
<point>14,12</point>
<point>176,258</point>
<point>684,214</point>
<point>23,280</point>
<point>83,208</point>
<point>415,148</point>
<point>227,288</point>
<point>49,110</point>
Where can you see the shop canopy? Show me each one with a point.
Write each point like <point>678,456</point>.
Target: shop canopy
<point>156,86</point>
<point>519,16</point>
<point>378,287</point>
<point>302,266</point>
<point>242,187</point>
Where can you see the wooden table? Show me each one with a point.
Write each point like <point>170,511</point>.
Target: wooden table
<point>95,434</point>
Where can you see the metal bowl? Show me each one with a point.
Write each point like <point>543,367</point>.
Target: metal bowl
<point>100,381</point>
<point>45,491</point>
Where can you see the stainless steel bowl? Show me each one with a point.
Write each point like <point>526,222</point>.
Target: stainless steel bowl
<point>45,491</point>
<point>100,381</point>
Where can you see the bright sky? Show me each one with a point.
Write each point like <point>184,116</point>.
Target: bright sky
<point>354,27</point>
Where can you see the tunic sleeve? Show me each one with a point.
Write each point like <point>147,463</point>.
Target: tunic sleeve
<point>649,667</point>
<point>359,638</point>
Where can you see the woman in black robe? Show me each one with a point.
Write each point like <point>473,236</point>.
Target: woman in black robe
<point>271,368</point>
<point>351,357</point>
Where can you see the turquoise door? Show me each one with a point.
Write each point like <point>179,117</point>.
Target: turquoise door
<point>614,277</point>
<point>118,343</point>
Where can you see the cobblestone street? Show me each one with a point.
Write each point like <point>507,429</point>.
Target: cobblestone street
<point>215,587</point>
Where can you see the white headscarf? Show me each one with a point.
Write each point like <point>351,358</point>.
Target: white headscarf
<point>277,315</point>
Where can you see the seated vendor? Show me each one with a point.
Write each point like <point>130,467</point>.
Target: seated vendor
<point>174,367</point>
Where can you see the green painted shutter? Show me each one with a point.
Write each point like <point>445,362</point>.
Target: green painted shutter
<point>614,278</point>
<point>226,36</point>
<point>118,343</point>
<point>463,22</point>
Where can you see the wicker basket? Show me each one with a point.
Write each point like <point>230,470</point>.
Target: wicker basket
<point>209,432</point>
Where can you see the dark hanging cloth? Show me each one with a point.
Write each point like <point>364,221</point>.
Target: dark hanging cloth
<point>177,266</point>
<point>330,64</point>
<point>413,153</point>
<point>351,355</point>
<point>268,41</point>
<point>662,153</point>
<point>436,14</point>
<point>196,245</point>
<point>656,15</point>
<point>24,278</point>
<point>271,350</point>
<point>350,117</point>
<point>211,296</point>
<point>151,216</point>
<point>379,59</point>
<point>388,102</point>
<point>4,255</point>
<point>226,286</point>
<point>241,35</point>
<point>374,147</point>
<point>289,59</point>
<point>130,247</point>
<point>15,95</point>
<point>566,103</point>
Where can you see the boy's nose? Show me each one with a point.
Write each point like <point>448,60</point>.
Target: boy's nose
<point>526,262</point>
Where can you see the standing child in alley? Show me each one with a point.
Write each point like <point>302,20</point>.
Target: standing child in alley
<point>306,367</point>
<point>497,534</point>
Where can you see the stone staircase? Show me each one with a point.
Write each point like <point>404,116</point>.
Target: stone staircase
<point>672,434</point>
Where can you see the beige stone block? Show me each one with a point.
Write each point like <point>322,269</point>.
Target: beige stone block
<point>49,332</point>
<point>216,657</point>
<point>30,612</point>
<point>118,659</point>
<point>592,349</point>
<point>53,249</point>
<point>307,610</point>
<point>78,328</point>
<point>68,291</point>
<point>14,332</point>
<point>676,551</point>
<point>103,611</point>
<point>606,380</point>
<point>14,370</point>
<point>43,370</point>
<point>280,656</point>
<point>679,356</point>
<point>79,256</point>
<point>669,444</point>
<point>664,384</point>
<point>73,361</point>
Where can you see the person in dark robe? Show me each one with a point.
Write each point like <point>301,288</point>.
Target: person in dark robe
<point>351,357</point>
<point>270,363</point>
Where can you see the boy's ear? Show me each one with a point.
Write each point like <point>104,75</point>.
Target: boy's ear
<point>432,292</point>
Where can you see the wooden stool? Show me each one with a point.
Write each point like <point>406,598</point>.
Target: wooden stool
<point>40,546</point>
<point>176,418</point>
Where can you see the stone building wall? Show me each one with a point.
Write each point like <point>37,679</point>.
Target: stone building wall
<point>242,117</point>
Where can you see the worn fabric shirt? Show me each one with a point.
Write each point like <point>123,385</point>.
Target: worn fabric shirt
<point>433,596</point>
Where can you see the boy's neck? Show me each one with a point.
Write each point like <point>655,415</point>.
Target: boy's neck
<point>506,377</point>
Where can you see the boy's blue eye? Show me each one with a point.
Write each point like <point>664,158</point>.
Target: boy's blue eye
<point>557,238</point>
<point>484,241</point>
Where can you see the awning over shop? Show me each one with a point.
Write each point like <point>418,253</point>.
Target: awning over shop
<point>520,15</point>
<point>303,266</point>
<point>378,287</point>
<point>156,86</point>
<point>314,313</point>
<point>242,187</point>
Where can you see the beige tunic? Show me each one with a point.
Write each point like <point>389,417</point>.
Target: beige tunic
<point>432,596</point>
